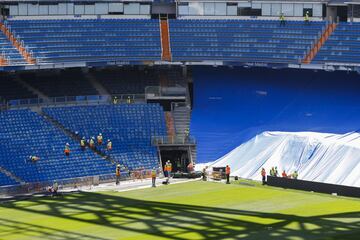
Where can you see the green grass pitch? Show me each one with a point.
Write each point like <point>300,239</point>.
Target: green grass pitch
<point>193,210</point>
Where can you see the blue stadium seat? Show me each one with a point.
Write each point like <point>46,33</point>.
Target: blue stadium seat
<point>343,45</point>
<point>129,126</point>
<point>24,133</point>
<point>90,39</point>
<point>242,40</point>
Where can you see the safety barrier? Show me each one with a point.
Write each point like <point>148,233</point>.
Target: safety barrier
<point>28,56</point>
<point>330,28</point>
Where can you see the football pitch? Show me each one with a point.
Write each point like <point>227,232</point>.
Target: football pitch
<point>193,210</point>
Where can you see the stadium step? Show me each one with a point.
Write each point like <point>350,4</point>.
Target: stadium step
<point>181,115</point>
<point>73,135</point>
<point>330,28</point>
<point>28,56</point>
<point>165,41</point>
<point>11,175</point>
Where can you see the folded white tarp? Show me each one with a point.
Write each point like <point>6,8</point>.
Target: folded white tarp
<point>321,157</point>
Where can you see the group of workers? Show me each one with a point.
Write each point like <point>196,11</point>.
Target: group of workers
<point>306,18</point>
<point>116,100</point>
<point>91,142</point>
<point>118,175</point>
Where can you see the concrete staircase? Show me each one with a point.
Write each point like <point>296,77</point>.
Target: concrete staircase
<point>181,114</point>
<point>11,175</point>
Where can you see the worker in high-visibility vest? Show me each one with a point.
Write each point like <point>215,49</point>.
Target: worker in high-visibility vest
<point>263,176</point>
<point>67,149</point>
<point>307,17</point>
<point>118,174</point>
<point>282,19</point>
<point>92,143</point>
<point>115,100</point>
<point>227,172</point>
<point>109,145</point>
<point>83,143</point>
<point>153,177</point>
<point>99,139</point>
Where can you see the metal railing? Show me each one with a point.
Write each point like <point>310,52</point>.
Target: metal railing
<point>175,140</point>
<point>75,100</point>
<point>157,91</point>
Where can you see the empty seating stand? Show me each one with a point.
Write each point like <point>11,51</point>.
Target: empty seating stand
<point>242,40</point>
<point>343,45</point>
<point>24,133</point>
<point>129,126</point>
<point>90,40</point>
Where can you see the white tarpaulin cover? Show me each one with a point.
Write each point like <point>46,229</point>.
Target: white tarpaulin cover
<point>321,157</point>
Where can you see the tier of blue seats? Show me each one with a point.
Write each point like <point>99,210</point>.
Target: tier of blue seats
<point>24,133</point>
<point>9,51</point>
<point>5,180</point>
<point>343,45</point>
<point>129,126</point>
<point>90,39</point>
<point>11,90</point>
<point>68,82</point>
<point>242,40</point>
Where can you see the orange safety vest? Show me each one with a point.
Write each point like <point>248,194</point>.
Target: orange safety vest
<point>227,170</point>
<point>117,171</point>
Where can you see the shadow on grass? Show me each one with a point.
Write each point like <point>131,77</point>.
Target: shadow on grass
<point>179,221</point>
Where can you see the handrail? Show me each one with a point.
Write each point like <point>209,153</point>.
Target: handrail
<point>176,140</point>
<point>75,100</point>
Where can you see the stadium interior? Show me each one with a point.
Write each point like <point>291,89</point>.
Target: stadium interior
<point>245,83</point>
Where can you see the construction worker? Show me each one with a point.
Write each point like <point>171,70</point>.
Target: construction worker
<point>83,143</point>
<point>307,18</point>
<point>153,177</point>
<point>128,100</point>
<point>34,159</point>
<point>282,19</point>
<point>272,172</point>
<point>284,174</point>
<point>190,167</point>
<point>227,172</point>
<point>99,139</point>
<point>263,176</point>
<point>276,173</point>
<point>295,175</point>
<point>115,100</point>
<point>109,145</point>
<point>55,188</point>
<point>187,134</point>
<point>204,177</point>
<point>67,149</point>
<point>92,143</point>
<point>118,174</point>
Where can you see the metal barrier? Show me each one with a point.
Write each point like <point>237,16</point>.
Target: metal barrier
<point>75,100</point>
<point>175,140</point>
<point>28,188</point>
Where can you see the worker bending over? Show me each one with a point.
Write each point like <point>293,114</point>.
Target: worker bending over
<point>67,149</point>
